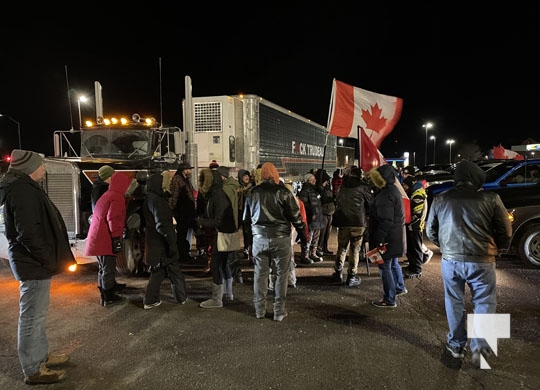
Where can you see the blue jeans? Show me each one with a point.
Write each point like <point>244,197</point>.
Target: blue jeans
<point>481,279</point>
<point>392,279</point>
<point>275,251</point>
<point>33,346</point>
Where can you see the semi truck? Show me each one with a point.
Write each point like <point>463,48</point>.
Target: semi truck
<point>243,131</point>
<point>137,146</point>
<point>237,131</point>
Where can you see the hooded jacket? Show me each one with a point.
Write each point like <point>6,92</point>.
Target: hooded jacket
<point>467,223</point>
<point>353,203</point>
<point>160,237</point>
<point>387,217</point>
<point>37,236</point>
<point>109,217</point>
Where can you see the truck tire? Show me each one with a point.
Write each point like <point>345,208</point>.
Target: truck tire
<point>127,260</point>
<point>529,245</point>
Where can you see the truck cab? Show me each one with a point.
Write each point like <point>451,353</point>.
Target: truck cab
<point>137,147</point>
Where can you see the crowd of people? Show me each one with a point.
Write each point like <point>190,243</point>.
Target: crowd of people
<point>270,217</point>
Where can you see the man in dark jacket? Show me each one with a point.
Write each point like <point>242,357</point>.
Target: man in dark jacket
<point>352,207</point>
<point>387,233</point>
<point>38,249</point>
<point>469,225</point>
<point>312,202</point>
<point>270,209</point>
<point>328,207</point>
<point>160,249</point>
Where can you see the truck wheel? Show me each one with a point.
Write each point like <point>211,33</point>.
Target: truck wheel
<point>127,260</point>
<point>529,245</point>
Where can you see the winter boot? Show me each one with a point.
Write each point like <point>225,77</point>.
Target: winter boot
<point>217,298</point>
<point>304,257</point>
<point>111,297</point>
<point>227,289</point>
<point>313,255</point>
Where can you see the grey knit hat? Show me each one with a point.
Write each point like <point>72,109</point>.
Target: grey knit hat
<point>25,161</point>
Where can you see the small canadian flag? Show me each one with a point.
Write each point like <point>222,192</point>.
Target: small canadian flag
<point>375,257</point>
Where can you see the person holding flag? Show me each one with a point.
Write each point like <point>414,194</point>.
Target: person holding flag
<point>387,233</point>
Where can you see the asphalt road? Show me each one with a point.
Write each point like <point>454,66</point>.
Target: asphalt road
<point>332,339</point>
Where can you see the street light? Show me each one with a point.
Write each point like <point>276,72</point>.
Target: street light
<point>18,127</point>
<point>434,139</point>
<point>79,100</point>
<point>428,125</point>
<point>450,142</point>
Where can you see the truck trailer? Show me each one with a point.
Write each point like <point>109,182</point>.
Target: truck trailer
<point>244,131</point>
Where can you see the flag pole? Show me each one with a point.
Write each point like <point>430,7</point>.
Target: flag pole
<point>330,109</point>
<point>359,145</point>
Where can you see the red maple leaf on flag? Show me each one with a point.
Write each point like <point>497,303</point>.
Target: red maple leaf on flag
<point>374,119</point>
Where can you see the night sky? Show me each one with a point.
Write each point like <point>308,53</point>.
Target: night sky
<point>473,74</point>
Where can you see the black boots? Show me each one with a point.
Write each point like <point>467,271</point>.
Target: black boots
<point>110,297</point>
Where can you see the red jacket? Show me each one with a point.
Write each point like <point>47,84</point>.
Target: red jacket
<point>109,217</point>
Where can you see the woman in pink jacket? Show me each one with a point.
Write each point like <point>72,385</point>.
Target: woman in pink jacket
<point>104,238</point>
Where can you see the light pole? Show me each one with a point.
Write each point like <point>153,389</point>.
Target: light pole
<point>79,100</point>
<point>450,142</point>
<point>434,139</point>
<point>18,127</point>
<point>428,126</point>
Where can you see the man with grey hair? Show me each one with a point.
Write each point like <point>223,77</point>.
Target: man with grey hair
<point>38,249</point>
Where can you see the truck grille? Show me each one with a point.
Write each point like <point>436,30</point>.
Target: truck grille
<point>60,190</point>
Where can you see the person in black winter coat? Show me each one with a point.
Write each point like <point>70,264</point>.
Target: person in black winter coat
<point>38,250</point>
<point>328,207</point>
<point>312,203</point>
<point>220,218</point>
<point>387,233</point>
<point>351,218</point>
<point>160,250</point>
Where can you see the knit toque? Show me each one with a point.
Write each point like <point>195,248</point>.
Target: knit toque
<point>25,161</point>
<point>105,172</point>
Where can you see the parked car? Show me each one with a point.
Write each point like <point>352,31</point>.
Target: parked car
<point>433,169</point>
<point>499,173</point>
<point>523,205</point>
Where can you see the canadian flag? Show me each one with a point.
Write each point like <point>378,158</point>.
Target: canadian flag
<point>351,107</point>
<point>499,152</point>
